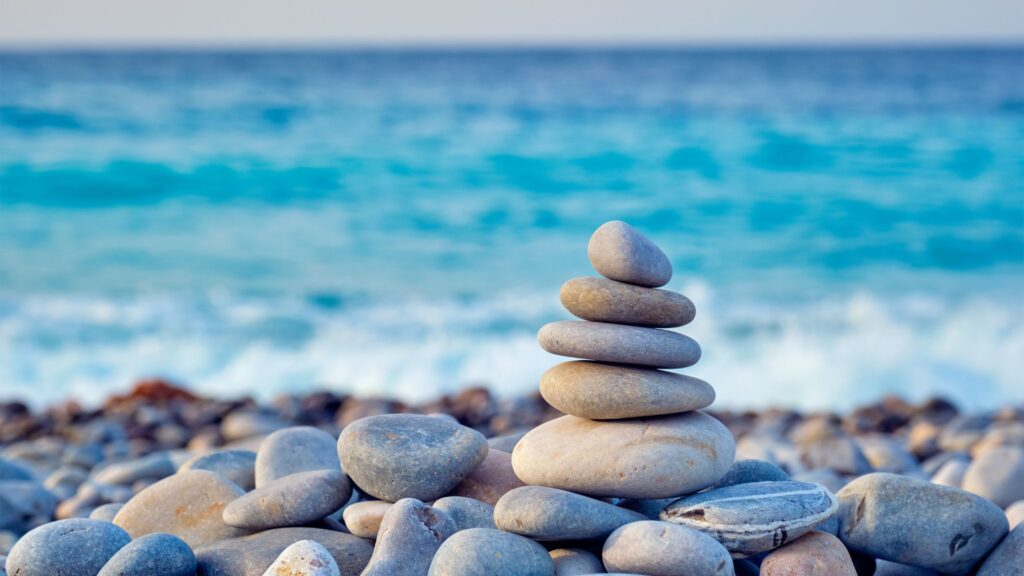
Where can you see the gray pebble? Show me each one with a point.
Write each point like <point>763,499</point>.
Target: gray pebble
<point>155,466</point>
<point>239,466</point>
<point>240,425</point>
<point>619,252</point>
<point>544,513</point>
<point>106,512</point>
<point>252,555</point>
<point>409,536</point>
<point>747,471</point>
<point>363,518</point>
<point>603,300</point>
<point>841,454</point>
<point>296,449</point>
<point>467,512</point>
<point>13,470</point>
<point>574,562</point>
<point>304,558</point>
<point>486,552</point>
<point>1015,514</point>
<point>152,555</point>
<point>28,498</point>
<point>293,500</point>
<point>1008,557</point>
<point>951,473</point>
<point>76,547</point>
<point>619,344</point>
<point>652,547</point>
<point>997,474</point>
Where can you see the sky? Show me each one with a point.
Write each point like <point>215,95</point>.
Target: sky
<point>454,22</point>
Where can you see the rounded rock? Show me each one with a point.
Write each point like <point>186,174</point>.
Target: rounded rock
<point>486,552</point>
<point>603,300</point>
<point>747,471</point>
<point>575,562</point>
<point>304,558</point>
<point>296,449</point>
<point>619,344</point>
<point>813,554</point>
<point>252,555</point>
<point>152,555</point>
<point>239,466</point>
<point>492,479</point>
<point>1015,514</point>
<point>998,475</point>
<point>619,252</point>
<point>363,518</point>
<point>76,547</point>
<point>467,512</point>
<point>1008,557</point>
<point>543,513</point>
<point>106,512</point>
<point>663,549</point>
<point>410,534</point>
<point>293,500</point>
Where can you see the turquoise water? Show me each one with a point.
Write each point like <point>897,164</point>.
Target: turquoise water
<point>849,222</point>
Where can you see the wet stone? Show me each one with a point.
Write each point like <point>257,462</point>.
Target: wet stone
<point>293,500</point>
<point>152,555</point>
<point>652,547</point>
<point>296,449</point>
<point>544,513</point>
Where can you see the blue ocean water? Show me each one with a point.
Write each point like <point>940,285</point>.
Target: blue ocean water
<point>849,222</point>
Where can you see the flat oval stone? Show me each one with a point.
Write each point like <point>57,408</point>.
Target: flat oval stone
<point>543,513</point>
<point>601,391</point>
<point>304,558</point>
<point>603,300</point>
<point>574,562</point>
<point>912,521</point>
<point>998,475</point>
<point>467,512</point>
<point>239,466</point>
<point>395,456</point>
<point>656,457</point>
<point>747,471</point>
<point>492,479</point>
<point>652,547</point>
<point>757,516</point>
<point>619,252</point>
<point>486,552</point>
<point>813,554</point>
<point>293,500</point>
<point>75,547</point>
<point>363,518</point>
<point>188,505</point>
<point>252,555</point>
<point>296,449</point>
<point>409,536</point>
<point>619,344</point>
<point>152,555</point>
<point>1008,557</point>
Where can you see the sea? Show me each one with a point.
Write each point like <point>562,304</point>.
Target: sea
<point>398,222</point>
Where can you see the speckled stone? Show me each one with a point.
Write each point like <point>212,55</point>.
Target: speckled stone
<point>543,513</point>
<point>467,512</point>
<point>152,555</point>
<point>915,522</point>
<point>619,252</point>
<point>304,558</point>
<point>813,554</point>
<point>600,391</point>
<point>757,516</point>
<point>76,547</point>
<point>188,505</point>
<point>410,534</point>
<point>747,471</point>
<point>253,555</point>
<point>395,456</point>
<point>296,449</point>
<point>292,500</point>
<point>486,552</point>
<point>1008,557</point>
<point>363,518</point>
<point>239,466</point>
<point>574,562</point>
<point>656,457</point>
<point>492,479</point>
<point>663,549</point>
<point>998,475</point>
<point>619,344</point>
<point>603,300</point>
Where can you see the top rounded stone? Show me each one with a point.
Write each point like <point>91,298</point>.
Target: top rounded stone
<point>617,251</point>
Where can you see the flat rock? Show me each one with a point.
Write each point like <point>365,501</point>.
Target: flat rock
<point>76,547</point>
<point>486,552</point>
<point>603,300</point>
<point>152,555</point>
<point>363,518</point>
<point>253,555</point>
<point>293,500</point>
<point>409,536</point>
<point>296,449</point>
<point>813,554</point>
<point>574,562</point>
<point>652,547</point>
<point>600,391</point>
<point>492,479</point>
<point>543,513</point>
<point>915,522</point>
<point>188,505</point>
<point>239,466</point>
<point>395,456</point>
<point>656,457</point>
<point>747,471</point>
<point>619,252</point>
<point>304,558</point>
<point>467,512</point>
<point>619,344</point>
<point>1008,557</point>
<point>757,516</point>
<point>997,474</point>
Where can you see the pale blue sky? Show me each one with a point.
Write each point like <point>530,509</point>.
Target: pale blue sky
<point>312,22</point>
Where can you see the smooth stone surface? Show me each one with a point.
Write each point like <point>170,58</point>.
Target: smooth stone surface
<point>747,471</point>
<point>253,555</point>
<point>363,518</point>
<point>239,466</point>
<point>106,512</point>
<point>28,498</point>
<point>886,568</point>
<point>296,449</point>
<point>486,552</point>
<point>645,458</point>
<point>1015,514</point>
<point>998,475</point>
<point>543,513</point>
<point>1008,557</point>
<point>152,555</point>
<point>574,562</point>
<point>599,391</point>
<point>304,558</point>
<point>951,473</point>
<point>619,344</point>
<point>491,480</point>
<point>663,549</point>
<point>886,454</point>
<point>603,300</point>
<point>840,454</point>
<point>76,547</point>
<point>409,536</point>
<point>506,442</point>
<point>154,467</point>
<point>813,554</point>
<point>757,516</point>
<point>466,512</point>
<point>293,500</point>
<point>619,252</point>
<point>395,456</point>
<point>188,505</point>
<point>916,522</point>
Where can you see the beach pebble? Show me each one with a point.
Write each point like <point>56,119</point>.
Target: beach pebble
<point>467,512</point>
<point>824,476</point>
<point>253,555</point>
<point>574,562</point>
<point>239,466</point>
<point>1015,514</point>
<point>106,512</point>
<point>486,552</point>
<point>757,516</point>
<point>363,518</point>
<point>188,505</point>
<point>747,471</point>
<point>296,449</point>
<point>64,481</point>
<point>28,498</point>
<point>543,513</point>
<point>304,558</point>
<point>951,473</point>
<point>603,300</point>
<point>663,549</point>
<point>1008,557</point>
<point>601,391</point>
<point>241,425</point>
<point>506,442</point>
<point>649,508</point>
<point>997,474</point>
<point>916,522</point>
<point>152,555</point>
<point>619,252</point>
<point>618,343</point>
<point>409,536</point>
<point>838,453</point>
<point>645,458</point>
<point>13,470</point>
<point>491,479</point>
<point>395,456</point>
<point>886,568</point>
<point>154,467</point>
<point>293,500</point>
<point>886,454</point>
<point>813,554</point>
<point>76,547</point>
